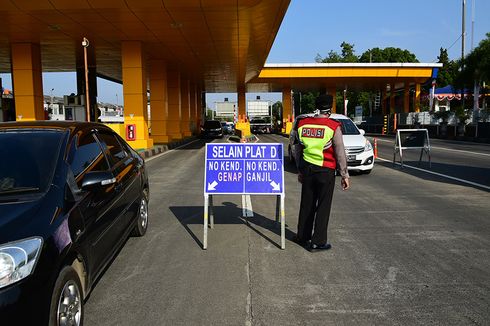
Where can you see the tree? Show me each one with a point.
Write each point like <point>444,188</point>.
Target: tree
<point>390,54</point>
<point>448,71</point>
<point>347,55</point>
<point>277,114</point>
<point>476,65</point>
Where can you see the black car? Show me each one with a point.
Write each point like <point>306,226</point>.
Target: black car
<point>70,195</point>
<point>212,129</point>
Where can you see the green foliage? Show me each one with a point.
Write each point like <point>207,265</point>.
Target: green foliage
<point>389,54</point>
<point>308,102</point>
<point>444,115</point>
<point>276,113</point>
<point>449,70</point>
<point>476,65</point>
<point>347,55</point>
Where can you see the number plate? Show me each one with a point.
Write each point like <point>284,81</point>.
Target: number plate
<point>351,157</point>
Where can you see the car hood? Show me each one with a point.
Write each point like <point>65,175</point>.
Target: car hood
<point>354,140</point>
<point>17,218</point>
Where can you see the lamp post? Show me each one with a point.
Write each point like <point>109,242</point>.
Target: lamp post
<point>85,44</point>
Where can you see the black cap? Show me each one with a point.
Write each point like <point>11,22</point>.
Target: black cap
<point>324,103</point>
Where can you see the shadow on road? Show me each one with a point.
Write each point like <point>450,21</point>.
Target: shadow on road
<point>229,213</point>
<point>472,174</point>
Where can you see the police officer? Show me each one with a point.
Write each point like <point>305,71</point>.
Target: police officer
<point>321,152</point>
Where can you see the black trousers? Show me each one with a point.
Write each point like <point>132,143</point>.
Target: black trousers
<point>316,201</point>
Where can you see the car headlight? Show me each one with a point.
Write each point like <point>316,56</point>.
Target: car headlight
<point>368,146</point>
<point>18,259</point>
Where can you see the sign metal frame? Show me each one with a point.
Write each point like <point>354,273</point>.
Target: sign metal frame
<point>399,146</point>
<point>280,196</point>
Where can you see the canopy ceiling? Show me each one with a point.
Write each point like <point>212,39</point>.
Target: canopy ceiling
<point>221,44</point>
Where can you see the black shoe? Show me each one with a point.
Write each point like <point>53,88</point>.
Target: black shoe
<point>314,247</point>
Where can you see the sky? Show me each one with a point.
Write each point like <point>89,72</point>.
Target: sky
<point>312,27</point>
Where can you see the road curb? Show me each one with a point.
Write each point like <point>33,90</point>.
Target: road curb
<point>162,148</point>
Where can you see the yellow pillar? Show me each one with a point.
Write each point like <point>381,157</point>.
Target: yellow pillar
<point>134,90</point>
<point>242,104</point>
<point>185,107</point>
<point>333,91</point>
<point>417,97</point>
<point>384,96</point>
<point>193,104</point>
<point>174,104</point>
<point>243,125</point>
<point>27,81</point>
<point>287,108</point>
<point>392,98</point>
<point>159,102</point>
<point>199,107</point>
<point>406,98</point>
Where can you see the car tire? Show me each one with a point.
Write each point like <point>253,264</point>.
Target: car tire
<point>367,171</point>
<point>142,217</point>
<point>67,299</point>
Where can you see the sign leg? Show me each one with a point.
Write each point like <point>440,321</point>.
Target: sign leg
<point>205,235</point>
<point>283,224</point>
<point>211,211</point>
<point>401,157</point>
<point>278,208</point>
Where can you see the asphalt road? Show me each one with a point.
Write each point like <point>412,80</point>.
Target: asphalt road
<point>409,248</point>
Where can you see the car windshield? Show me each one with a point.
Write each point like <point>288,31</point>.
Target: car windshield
<point>211,124</point>
<point>348,127</point>
<point>28,159</point>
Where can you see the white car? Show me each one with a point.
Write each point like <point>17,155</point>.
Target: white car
<point>359,151</point>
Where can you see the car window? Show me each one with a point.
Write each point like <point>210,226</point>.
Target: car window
<point>348,127</point>
<point>27,160</point>
<point>85,155</point>
<point>211,124</point>
<point>113,149</point>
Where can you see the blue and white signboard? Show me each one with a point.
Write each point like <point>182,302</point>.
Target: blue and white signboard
<point>256,169</point>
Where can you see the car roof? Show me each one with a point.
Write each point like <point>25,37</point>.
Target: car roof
<point>69,126</point>
<point>335,116</point>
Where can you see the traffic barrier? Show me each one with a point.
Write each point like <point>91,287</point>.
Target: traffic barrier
<point>375,148</point>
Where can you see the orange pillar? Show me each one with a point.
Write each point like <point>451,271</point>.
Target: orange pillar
<point>333,91</point>
<point>406,98</point>
<point>199,103</point>
<point>417,97</point>
<point>384,96</point>
<point>242,103</point>
<point>174,104</point>
<point>27,81</point>
<point>392,98</point>
<point>135,92</point>
<point>185,107</point>
<point>287,103</point>
<point>159,102</point>
<point>193,104</point>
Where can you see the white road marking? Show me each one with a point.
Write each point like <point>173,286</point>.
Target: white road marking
<point>440,148</point>
<point>438,174</point>
<point>247,210</point>
<point>169,151</point>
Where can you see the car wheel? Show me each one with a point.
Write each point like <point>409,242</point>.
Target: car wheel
<point>67,299</point>
<point>142,223</point>
<point>367,171</point>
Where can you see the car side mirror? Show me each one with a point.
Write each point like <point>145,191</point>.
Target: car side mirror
<point>97,179</point>
<point>362,132</point>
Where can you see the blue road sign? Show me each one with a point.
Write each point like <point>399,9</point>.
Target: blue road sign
<point>242,168</point>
